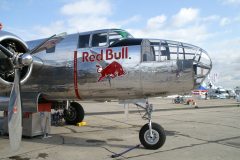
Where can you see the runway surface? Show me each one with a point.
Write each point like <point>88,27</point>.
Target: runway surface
<point>210,132</point>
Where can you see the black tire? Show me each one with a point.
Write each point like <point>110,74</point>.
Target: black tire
<point>74,114</point>
<point>158,133</point>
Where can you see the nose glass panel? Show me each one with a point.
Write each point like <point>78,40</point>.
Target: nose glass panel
<point>173,50</point>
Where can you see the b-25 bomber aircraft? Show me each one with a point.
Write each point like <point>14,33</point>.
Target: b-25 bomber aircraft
<point>98,65</point>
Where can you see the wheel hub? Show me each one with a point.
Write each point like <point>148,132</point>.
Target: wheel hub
<point>151,140</point>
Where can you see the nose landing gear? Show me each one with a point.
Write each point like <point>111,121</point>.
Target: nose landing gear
<point>151,135</point>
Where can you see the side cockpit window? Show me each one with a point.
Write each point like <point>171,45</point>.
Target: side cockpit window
<point>84,41</point>
<point>148,56</point>
<point>99,40</point>
<point>165,52</point>
<point>148,52</point>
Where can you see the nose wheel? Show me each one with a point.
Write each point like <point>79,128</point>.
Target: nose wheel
<point>151,135</point>
<point>153,140</point>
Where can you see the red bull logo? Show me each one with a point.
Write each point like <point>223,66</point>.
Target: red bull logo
<point>112,70</point>
<point>105,54</point>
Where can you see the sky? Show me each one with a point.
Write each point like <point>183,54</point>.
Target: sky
<point>213,25</point>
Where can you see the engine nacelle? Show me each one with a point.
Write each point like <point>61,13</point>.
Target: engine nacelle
<point>17,45</point>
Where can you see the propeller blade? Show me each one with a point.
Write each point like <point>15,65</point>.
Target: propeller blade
<point>8,53</point>
<point>15,114</point>
<point>48,43</point>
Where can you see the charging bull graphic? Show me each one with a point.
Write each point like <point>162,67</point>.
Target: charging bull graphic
<point>112,70</point>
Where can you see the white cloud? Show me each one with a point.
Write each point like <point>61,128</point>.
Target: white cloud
<point>225,21</point>
<point>194,34</point>
<point>185,16</point>
<point>25,34</point>
<point>53,28</point>
<point>90,23</point>
<point>156,22</point>
<point>75,24</point>
<point>89,7</point>
<point>176,28</point>
<point>83,15</point>
<point>154,27</point>
<point>225,55</point>
<point>79,22</point>
<point>211,18</point>
<point>132,19</point>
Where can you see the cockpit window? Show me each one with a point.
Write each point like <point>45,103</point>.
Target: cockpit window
<point>114,37</point>
<point>84,41</point>
<point>148,56</point>
<point>99,40</point>
<point>117,35</point>
<point>148,52</point>
<point>124,34</point>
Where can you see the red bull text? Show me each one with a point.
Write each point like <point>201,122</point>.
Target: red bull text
<point>105,54</point>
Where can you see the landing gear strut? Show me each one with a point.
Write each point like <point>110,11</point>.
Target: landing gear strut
<point>151,135</point>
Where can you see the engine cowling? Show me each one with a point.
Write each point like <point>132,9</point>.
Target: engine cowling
<point>17,45</point>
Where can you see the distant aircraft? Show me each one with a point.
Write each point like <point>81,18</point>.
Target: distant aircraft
<point>97,65</point>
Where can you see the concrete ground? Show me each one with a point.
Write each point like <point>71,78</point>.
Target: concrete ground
<point>210,132</point>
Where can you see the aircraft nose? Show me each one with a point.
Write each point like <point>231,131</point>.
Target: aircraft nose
<point>167,50</point>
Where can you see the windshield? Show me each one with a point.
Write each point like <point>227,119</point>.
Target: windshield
<point>123,34</point>
<point>117,35</point>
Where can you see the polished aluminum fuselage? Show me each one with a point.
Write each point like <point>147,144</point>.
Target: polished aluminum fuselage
<point>55,77</point>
